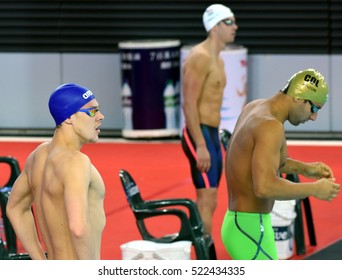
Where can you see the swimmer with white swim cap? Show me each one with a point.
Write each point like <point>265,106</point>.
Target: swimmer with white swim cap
<point>60,181</point>
<point>257,156</point>
<point>214,14</point>
<point>203,83</point>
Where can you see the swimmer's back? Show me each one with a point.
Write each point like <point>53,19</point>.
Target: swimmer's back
<point>47,170</point>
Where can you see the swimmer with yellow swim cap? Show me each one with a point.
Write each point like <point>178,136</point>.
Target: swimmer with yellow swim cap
<point>257,155</point>
<point>309,85</point>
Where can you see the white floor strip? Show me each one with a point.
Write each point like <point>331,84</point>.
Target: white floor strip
<point>101,140</point>
<point>314,143</point>
<point>123,140</point>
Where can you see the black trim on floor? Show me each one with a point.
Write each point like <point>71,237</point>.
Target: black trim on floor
<point>332,252</point>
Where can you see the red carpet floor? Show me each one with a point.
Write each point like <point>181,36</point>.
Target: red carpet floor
<point>161,171</point>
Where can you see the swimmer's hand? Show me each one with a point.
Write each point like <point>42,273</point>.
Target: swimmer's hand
<point>203,158</point>
<point>318,170</point>
<point>327,189</point>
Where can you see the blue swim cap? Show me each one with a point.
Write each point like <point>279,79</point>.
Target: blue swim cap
<point>66,100</point>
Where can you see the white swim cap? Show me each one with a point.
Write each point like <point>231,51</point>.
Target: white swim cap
<point>214,14</point>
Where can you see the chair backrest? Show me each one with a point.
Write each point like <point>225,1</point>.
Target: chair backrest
<point>131,190</point>
<point>191,224</point>
<point>5,190</point>
<point>14,169</point>
<point>225,137</point>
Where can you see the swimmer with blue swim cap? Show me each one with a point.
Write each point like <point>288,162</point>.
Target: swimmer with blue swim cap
<point>63,184</point>
<point>67,99</point>
<point>308,84</point>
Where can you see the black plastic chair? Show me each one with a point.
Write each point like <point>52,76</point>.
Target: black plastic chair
<point>225,137</point>
<point>5,190</point>
<point>299,221</point>
<point>191,228</point>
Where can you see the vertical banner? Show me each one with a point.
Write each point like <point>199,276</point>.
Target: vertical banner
<point>150,88</point>
<point>235,92</point>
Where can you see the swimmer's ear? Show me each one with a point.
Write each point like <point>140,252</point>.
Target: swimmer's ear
<point>68,121</point>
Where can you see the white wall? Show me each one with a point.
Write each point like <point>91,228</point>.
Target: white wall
<point>27,80</point>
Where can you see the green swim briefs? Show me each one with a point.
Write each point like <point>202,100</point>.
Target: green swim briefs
<point>248,236</point>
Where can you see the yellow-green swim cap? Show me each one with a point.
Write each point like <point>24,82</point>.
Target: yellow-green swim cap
<point>308,84</point>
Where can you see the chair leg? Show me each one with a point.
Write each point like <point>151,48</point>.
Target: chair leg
<point>205,248</point>
<point>3,252</point>
<point>11,238</point>
<point>211,247</point>
<point>212,252</point>
<point>309,221</point>
<point>299,229</point>
<point>20,256</point>
<point>201,249</point>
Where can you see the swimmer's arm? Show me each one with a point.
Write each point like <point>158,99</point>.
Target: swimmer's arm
<point>265,166</point>
<point>195,71</point>
<point>313,170</point>
<point>77,177</point>
<point>21,217</point>
<point>292,166</point>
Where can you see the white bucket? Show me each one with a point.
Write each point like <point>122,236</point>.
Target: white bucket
<point>148,250</point>
<point>283,216</point>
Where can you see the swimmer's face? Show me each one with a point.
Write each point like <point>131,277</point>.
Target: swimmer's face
<point>304,111</point>
<point>87,121</point>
